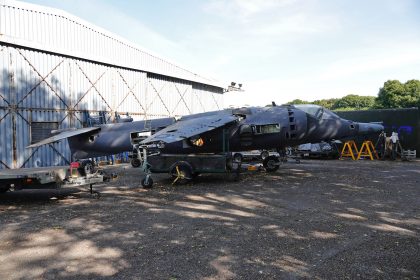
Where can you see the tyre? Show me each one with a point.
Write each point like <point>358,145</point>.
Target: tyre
<point>135,162</point>
<point>264,155</point>
<point>182,172</point>
<point>237,157</point>
<point>147,182</point>
<point>86,167</point>
<point>271,163</point>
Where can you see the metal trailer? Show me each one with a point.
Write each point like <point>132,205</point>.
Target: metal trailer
<point>186,167</point>
<point>49,178</point>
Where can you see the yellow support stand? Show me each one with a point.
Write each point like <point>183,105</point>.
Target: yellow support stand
<point>368,150</point>
<point>348,148</point>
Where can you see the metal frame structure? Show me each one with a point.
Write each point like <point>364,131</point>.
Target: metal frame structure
<point>45,76</point>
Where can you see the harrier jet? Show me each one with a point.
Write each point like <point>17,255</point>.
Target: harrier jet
<point>195,141</point>
<point>253,128</point>
<point>105,139</point>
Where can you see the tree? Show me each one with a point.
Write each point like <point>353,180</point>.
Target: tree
<point>298,101</point>
<point>326,103</point>
<point>354,102</point>
<point>394,94</point>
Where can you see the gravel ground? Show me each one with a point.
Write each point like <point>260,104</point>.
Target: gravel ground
<point>317,219</point>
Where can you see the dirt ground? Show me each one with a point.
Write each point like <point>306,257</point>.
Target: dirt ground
<point>317,219</point>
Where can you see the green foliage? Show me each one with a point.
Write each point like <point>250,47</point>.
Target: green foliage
<point>327,103</point>
<point>355,101</point>
<point>393,94</point>
<point>298,101</point>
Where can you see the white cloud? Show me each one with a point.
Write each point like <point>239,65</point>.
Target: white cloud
<point>243,9</point>
<point>298,24</point>
<point>379,58</point>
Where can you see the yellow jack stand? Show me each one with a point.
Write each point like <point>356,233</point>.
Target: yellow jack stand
<point>367,150</point>
<point>348,148</point>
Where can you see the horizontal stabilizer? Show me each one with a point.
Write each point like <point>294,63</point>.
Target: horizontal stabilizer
<point>65,135</point>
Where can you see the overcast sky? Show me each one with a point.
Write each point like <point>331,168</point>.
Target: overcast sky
<point>279,49</point>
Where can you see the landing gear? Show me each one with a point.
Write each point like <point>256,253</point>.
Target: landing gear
<point>271,163</point>
<point>147,182</point>
<point>93,193</point>
<point>237,157</point>
<point>135,162</point>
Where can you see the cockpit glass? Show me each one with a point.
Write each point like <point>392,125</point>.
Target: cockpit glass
<point>313,110</point>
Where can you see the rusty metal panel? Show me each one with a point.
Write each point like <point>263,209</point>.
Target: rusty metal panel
<point>86,80</point>
<point>207,98</point>
<point>129,92</point>
<point>41,79</point>
<point>168,96</point>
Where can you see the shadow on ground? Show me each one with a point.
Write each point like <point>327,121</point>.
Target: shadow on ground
<point>332,219</point>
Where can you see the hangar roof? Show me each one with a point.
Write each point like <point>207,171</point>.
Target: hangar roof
<point>56,31</point>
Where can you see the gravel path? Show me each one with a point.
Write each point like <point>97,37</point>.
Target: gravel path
<point>317,219</point>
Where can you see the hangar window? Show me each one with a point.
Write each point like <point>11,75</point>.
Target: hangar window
<point>42,130</point>
<point>267,128</point>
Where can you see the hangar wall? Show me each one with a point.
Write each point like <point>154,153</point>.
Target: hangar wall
<point>44,81</point>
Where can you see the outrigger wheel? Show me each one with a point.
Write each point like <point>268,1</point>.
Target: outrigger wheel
<point>182,172</point>
<point>147,182</point>
<point>271,163</point>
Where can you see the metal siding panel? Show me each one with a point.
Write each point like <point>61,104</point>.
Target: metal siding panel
<point>4,75</point>
<point>5,139</point>
<point>70,83</point>
<point>29,22</point>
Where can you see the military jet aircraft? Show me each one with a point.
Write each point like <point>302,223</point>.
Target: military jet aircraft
<point>105,139</point>
<point>253,128</point>
<point>211,133</point>
<point>203,136</point>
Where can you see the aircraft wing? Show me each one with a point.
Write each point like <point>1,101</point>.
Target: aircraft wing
<point>64,135</point>
<point>190,127</point>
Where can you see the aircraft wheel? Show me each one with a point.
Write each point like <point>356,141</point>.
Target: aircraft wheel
<point>271,163</point>
<point>182,172</point>
<point>135,162</point>
<point>4,188</point>
<point>264,155</point>
<point>237,157</point>
<point>147,182</point>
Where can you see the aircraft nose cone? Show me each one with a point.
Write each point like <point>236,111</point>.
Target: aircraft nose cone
<point>370,128</point>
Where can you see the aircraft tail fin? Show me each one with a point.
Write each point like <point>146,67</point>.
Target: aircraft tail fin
<point>64,135</point>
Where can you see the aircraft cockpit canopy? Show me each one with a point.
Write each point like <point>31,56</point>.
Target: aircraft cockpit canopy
<point>316,111</point>
<point>312,110</point>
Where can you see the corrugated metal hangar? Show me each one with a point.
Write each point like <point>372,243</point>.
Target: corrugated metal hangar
<point>57,68</point>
